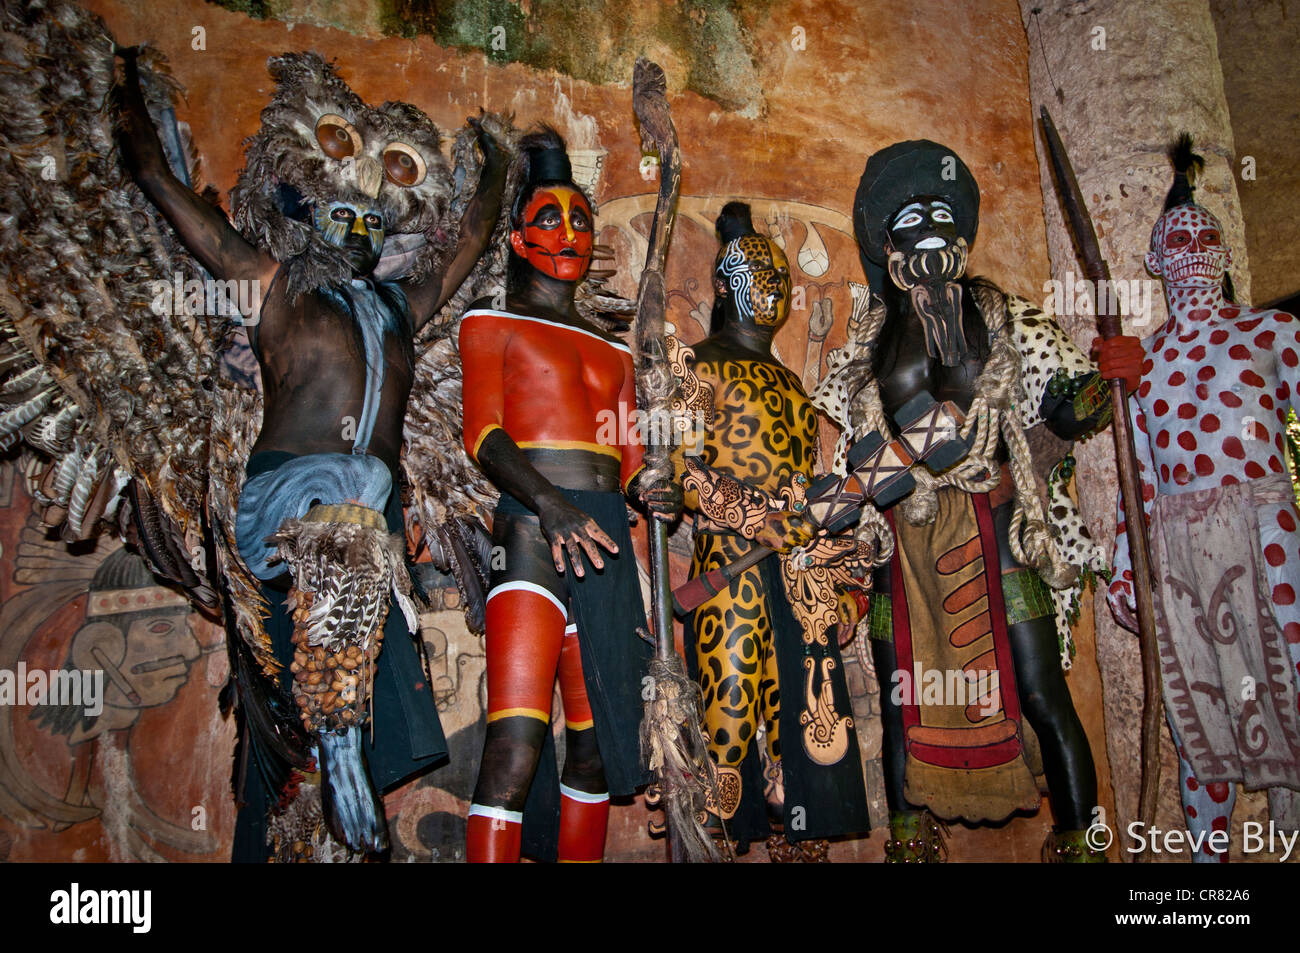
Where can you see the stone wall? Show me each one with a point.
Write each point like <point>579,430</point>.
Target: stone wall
<point>1261,79</point>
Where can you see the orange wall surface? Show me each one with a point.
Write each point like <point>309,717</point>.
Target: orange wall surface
<point>807,93</point>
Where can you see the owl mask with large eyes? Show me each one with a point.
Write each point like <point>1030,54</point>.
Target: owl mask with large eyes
<point>323,156</point>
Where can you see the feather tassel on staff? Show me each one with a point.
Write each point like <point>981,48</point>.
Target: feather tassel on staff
<point>670,729</point>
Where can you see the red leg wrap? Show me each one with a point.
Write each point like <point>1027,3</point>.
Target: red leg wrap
<point>525,633</point>
<point>492,840</point>
<point>582,828</point>
<point>573,686</point>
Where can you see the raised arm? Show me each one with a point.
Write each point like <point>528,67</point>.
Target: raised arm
<point>202,228</point>
<point>427,297</point>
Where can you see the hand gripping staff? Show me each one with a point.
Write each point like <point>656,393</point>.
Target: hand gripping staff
<point>878,471</point>
<point>670,729</point>
<point>1109,326</point>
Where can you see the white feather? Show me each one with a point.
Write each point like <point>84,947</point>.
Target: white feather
<point>81,493</point>
<point>25,413</point>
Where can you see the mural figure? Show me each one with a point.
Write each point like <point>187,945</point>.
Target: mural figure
<point>139,639</point>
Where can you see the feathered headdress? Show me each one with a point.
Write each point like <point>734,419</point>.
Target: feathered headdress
<point>287,171</point>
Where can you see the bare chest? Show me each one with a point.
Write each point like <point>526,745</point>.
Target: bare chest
<point>1214,404</point>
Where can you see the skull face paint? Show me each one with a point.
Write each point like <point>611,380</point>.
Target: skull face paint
<point>756,274</point>
<point>926,257</point>
<point>556,236</point>
<point>924,225</point>
<point>358,231</point>
<point>1187,248</point>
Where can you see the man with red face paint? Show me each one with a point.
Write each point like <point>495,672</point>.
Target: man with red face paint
<point>1211,419</point>
<point>556,238</point>
<point>541,388</point>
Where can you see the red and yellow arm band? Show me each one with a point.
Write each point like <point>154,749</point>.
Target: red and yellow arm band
<point>473,448</point>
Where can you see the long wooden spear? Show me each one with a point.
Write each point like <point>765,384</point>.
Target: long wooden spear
<point>1130,483</point>
<point>670,729</point>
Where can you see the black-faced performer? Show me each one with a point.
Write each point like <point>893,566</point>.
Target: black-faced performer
<point>963,620</point>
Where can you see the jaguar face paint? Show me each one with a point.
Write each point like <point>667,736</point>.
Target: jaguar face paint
<point>358,231</point>
<point>926,257</point>
<point>757,277</point>
<point>556,235</point>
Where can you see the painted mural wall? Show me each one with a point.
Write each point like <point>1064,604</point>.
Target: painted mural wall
<point>778,103</point>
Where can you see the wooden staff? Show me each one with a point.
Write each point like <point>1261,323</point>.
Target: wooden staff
<point>654,380</point>
<point>1130,484</point>
<point>671,722</point>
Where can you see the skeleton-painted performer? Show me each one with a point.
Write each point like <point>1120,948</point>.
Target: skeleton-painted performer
<point>550,417</point>
<point>1217,382</point>
<point>318,519</point>
<point>964,622</point>
<point>764,649</point>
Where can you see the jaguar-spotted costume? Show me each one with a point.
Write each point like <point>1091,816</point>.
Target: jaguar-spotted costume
<point>765,431</point>
<point>745,643</point>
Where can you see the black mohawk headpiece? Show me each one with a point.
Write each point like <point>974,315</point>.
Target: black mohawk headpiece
<point>545,162</point>
<point>734,221</point>
<point>1187,166</point>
